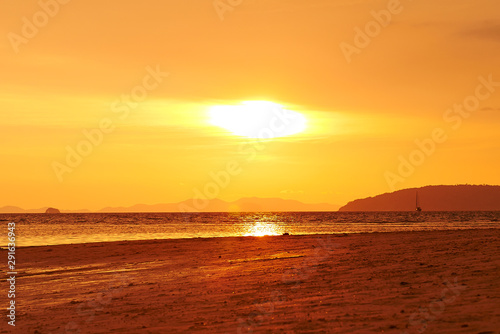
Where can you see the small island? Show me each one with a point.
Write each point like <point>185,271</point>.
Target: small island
<point>52,210</point>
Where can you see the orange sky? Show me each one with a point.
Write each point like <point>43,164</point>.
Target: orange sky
<point>363,112</point>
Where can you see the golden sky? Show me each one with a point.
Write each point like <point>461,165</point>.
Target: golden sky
<point>148,73</point>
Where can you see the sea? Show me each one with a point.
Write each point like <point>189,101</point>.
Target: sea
<point>72,228</point>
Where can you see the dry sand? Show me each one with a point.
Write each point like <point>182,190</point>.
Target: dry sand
<point>433,282</point>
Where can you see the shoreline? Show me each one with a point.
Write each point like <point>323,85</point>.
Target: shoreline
<point>251,236</point>
<point>356,283</point>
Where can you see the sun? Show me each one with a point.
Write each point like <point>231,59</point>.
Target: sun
<point>258,119</point>
<point>261,229</point>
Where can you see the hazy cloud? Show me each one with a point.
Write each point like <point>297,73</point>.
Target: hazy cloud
<point>487,31</point>
<point>490,109</point>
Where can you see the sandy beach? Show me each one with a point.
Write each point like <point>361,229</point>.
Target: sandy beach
<point>433,282</point>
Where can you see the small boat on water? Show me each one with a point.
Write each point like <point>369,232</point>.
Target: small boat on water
<point>417,204</point>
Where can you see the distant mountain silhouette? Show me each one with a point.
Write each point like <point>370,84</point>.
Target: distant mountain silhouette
<point>433,198</point>
<point>252,204</point>
<point>11,209</point>
<point>16,209</point>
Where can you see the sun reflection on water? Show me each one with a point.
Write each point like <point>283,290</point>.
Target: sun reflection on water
<point>260,229</point>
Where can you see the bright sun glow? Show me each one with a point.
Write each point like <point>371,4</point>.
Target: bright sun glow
<point>258,119</point>
<point>261,229</point>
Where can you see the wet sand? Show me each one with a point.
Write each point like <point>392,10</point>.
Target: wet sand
<point>433,282</point>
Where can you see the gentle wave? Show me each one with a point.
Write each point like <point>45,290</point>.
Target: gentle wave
<point>43,229</point>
